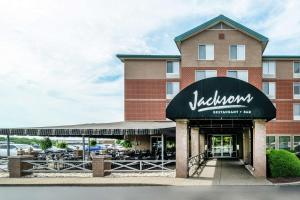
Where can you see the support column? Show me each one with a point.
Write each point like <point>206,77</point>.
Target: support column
<point>83,148</point>
<point>8,145</point>
<point>246,146</point>
<point>202,142</point>
<point>195,142</point>
<point>182,148</point>
<point>259,148</point>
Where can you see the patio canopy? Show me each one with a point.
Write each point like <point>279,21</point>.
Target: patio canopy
<point>96,129</point>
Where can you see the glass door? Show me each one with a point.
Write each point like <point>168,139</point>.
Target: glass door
<point>221,146</point>
<point>216,146</point>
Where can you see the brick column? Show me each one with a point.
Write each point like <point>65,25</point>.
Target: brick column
<point>182,148</point>
<point>259,148</point>
<point>99,166</point>
<point>202,142</point>
<point>195,142</point>
<point>16,166</point>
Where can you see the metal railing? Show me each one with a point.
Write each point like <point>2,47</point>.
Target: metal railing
<point>58,166</point>
<point>141,165</point>
<point>4,165</point>
<point>195,161</point>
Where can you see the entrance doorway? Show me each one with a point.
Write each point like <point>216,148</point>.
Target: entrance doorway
<point>222,146</point>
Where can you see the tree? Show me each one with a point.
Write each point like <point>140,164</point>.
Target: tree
<point>93,143</point>
<point>45,143</point>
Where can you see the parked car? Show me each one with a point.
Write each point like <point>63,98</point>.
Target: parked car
<point>14,149</point>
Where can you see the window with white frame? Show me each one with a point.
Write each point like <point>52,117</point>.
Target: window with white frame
<point>172,69</point>
<point>269,88</point>
<point>285,142</point>
<point>296,111</point>
<point>297,90</point>
<point>270,140</point>
<point>172,89</point>
<point>239,74</point>
<point>269,69</point>
<point>206,52</point>
<point>202,74</point>
<point>297,69</point>
<point>237,52</point>
<point>297,143</point>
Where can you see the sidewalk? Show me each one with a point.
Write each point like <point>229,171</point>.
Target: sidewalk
<point>134,181</point>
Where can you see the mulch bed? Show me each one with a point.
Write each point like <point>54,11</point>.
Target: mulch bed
<point>284,180</point>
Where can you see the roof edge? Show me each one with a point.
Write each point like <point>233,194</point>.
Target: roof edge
<point>280,57</point>
<point>221,18</point>
<point>123,57</point>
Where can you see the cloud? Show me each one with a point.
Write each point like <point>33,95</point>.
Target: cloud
<point>58,63</point>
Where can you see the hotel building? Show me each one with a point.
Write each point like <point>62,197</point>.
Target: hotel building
<point>219,47</point>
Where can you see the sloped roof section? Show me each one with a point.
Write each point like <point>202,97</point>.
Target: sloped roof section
<point>221,18</point>
<point>123,57</point>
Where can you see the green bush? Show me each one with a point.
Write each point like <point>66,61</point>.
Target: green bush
<point>282,163</point>
<point>45,143</point>
<point>93,143</point>
<point>61,145</point>
<point>124,143</point>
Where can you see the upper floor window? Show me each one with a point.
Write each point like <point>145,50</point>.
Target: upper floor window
<point>172,69</point>
<point>269,69</point>
<point>206,52</point>
<point>237,52</point>
<point>297,69</point>
<point>296,90</point>
<point>240,74</point>
<point>202,74</point>
<point>269,89</point>
<point>296,111</point>
<point>172,89</point>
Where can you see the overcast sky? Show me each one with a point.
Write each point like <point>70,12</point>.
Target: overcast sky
<point>57,57</point>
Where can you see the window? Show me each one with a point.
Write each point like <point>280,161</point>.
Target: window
<point>270,142</point>
<point>202,74</point>
<point>206,52</point>
<point>172,69</point>
<point>240,74</point>
<point>296,90</point>
<point>269,69</point>
<point>284,142</point>
<point>296,111</point>
<point>237,52</point>
<point>269,89</point>
<point>172,89</point>
<point>297,143</point>
<point>297,69</point>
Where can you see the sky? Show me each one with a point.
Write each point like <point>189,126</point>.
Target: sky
<point>57,57</point>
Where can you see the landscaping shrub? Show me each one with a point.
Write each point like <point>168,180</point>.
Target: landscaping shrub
<point>93,143</point>
<point>61,145</point>
<point>45,143</point>
<point>282,163</point>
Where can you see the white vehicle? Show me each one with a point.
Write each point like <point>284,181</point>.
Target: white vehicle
<point>14,148</point>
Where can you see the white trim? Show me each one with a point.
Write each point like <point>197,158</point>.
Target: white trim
<point>204,70</point>
<point>295,75</point>
<point>237,59</point>
<point>205,44</point>
<point>295,96</point>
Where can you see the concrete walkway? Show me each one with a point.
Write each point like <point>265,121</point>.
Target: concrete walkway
<point>227,172</point>
<point>215,172</point>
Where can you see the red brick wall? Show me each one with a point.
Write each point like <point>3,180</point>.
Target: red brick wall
<point>145,89</point>
<point>145,99</point>
<point>284,89</point>
<point>145,110</point>
<point>275,127</point>
<point>254,74</point>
